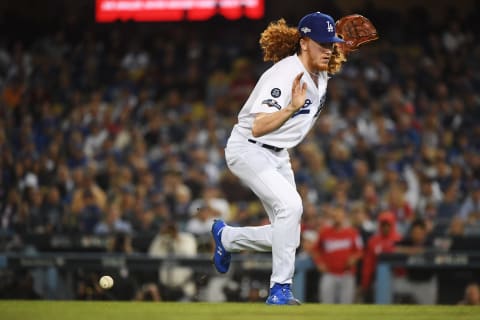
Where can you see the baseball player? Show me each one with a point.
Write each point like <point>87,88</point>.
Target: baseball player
<point>338,249</point>
<point>278,114</point>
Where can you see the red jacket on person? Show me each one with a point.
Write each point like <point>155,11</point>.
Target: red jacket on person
<point>377,244</point>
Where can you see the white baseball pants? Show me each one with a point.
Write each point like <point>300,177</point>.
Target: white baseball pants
<point>269,175</point>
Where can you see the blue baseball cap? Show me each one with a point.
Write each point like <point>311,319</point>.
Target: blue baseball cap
<point>319,27</point>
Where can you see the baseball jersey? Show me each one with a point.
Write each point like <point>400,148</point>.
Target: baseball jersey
<point>273,92</point>
<point>336,246</point>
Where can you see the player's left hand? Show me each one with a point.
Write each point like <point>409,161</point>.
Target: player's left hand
<point>355,30</point>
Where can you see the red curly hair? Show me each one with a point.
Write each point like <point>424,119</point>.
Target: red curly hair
<point>279,41</point>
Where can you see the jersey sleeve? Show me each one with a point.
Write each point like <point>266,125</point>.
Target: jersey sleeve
<point>274,94</point>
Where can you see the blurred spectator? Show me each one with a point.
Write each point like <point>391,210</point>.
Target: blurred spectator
<point>472,295</point>
<point>456,227</point>
<point>35,220</point>
<point>171,183</point>
<point>201,222</point>
<point>340,195</point>
<point>95,139</point>
<point>90,214</point>
<point>430,193</point>
<point>113,222</point>
<point>417,284</point>
<point>144,221</point>
<point>54,211</point>
<point>337,251</point>
<point>359,180</point>
<point>125,283</point>
<point>471,204</point>
<point>472,225</point>
<point>19,286</point>
<point>213,198</point>
<point>161,212</point>
<point>311,219</point>
<point>176,282</point>
<point>87,193</point>
<point>406,133</point>
<point>340,163</point>
<point>87,287</point>
<point>396,203</point>
<point>371,200</point>
<point>65,184</point>
<point>136,60</point>
<point>13,213</point>
<point>217,87</point>
<point>201,160</point>
<point>148,292</point>
<point>242,82</point>
<point>453,37</point>
<point>200,226</point>
<point>183,198</point>
<point>448,207</point>
<point>361,221</point>
<point>383,241</point>
<point>234,191</point>
<point>126,199</point>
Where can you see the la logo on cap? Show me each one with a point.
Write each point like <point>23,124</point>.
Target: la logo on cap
<point>329,26</point>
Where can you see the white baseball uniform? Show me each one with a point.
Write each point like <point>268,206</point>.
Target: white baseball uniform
<point>268,172</point>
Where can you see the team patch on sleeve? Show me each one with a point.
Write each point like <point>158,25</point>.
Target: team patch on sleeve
<point>272,103</point>
<point>276,92</point>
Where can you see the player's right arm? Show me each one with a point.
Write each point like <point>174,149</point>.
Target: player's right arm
<point>267,122</point>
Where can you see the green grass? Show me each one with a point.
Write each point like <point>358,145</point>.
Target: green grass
<point>70,310</point>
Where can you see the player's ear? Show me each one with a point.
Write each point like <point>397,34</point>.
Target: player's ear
<point>303,44</point>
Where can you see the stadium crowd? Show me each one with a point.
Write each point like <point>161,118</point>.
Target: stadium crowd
<point>106,133</point>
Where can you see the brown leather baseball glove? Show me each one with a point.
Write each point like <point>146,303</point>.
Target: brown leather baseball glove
<point>355,30</point>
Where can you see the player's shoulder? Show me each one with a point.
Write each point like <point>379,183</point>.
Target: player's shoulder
<point>290,62</point>
<point>284,70</point>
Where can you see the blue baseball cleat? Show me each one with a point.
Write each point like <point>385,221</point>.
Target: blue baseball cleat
<point>221,257</point>
<point>281,294</point>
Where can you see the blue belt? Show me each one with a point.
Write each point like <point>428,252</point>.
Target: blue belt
<point>266,146</point>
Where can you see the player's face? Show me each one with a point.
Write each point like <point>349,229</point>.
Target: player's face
<point>318,55</point>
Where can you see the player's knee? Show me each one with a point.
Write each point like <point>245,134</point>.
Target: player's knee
<point>294,208</point>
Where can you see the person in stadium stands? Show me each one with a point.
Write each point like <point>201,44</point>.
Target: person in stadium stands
<point>176,283</point>
<point>472,203</point>
<point>382,242</point>
<point>472,295</point>
<point>113,221</point>
<point>417,284</point>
